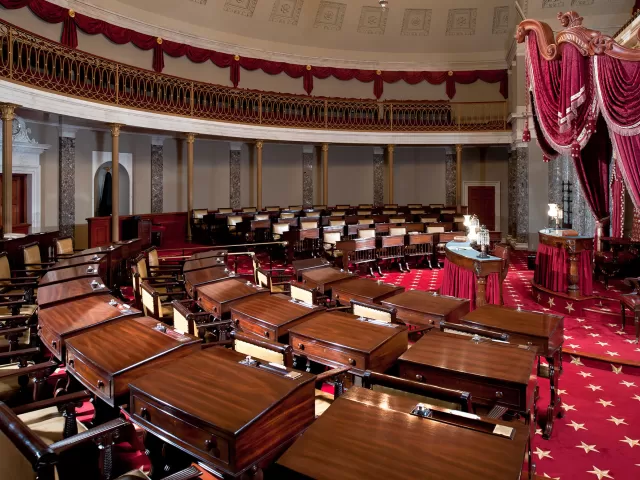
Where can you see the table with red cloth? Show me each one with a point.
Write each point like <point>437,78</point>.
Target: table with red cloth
<point>564,263</point>
<point>467,275</point>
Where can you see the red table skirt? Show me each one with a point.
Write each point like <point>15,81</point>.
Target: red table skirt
<point>461,283</point>
<point>552,269</point>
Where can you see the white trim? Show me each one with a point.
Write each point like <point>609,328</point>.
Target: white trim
<point>467,61</point>
<point>51,102</point>
<point>100,158</point>
<point>465,196</point>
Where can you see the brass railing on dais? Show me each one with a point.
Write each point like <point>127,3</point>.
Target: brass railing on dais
<point>41,63</point>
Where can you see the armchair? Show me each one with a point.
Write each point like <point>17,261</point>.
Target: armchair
<point>139,274</point>
<point>22,380</point>
<point>265,280</point>
<point>32,261</point>
<point>189,317</point>
<point>158,304</point>
<point>631,301</point>
<point>155,267</point>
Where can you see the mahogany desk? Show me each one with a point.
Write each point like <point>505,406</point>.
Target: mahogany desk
<point>300,266</point>
<point>419,245</point>
<point>363,290</point>
<point>543,331</point>
<point>217,297</point>
<point>70,273</point>
<point>373,435</point>
<point>357,251</point>
<point>200,263</point>
<point>106,359</point>
<point>70,290</point>
<point>84,259</point>
<point>463,256</point>
<point>58,323</point>
<point>208,253</point>
<point>271,316</point>
<point>45,238</point>
<point>115,257</point>
<point>197,278</point>
<point>228,414</point>
<point>494,373</point>
<point>324,279</point>
<point>338,339</point>
<point>301,241</point>
<point>424,309</point>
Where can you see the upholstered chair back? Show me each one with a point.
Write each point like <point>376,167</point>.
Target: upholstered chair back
<point>367,233</point>
<point>364,212</point>
<point>431,229</point>
<point>64,245</point>
<point>233,220</point>
<point>398,220</point>
<point>199,213</point>
<point>272,209</point>
<point>372,312</point>
<point>389,212</point>
<point>257,351</point>
<point>365,221</point>
<point>295,207</point>
<point>336,223</point>
<point>280,228</point>
<point>397,230</point>
<point>429,219</point>
<point>308,225</point>
<point>32,255</point>
<point>249,210</point>
<point>301,294</point>
<point>5,269</point>
<point>225,210</point>
<point>331,237</point>
<point>261,216</point>
<point>154,260</point>
<point>287,215</point>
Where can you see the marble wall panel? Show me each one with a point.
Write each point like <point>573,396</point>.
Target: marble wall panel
<point>378,177</point>
<point>66,198</point>
<point>308,161</point>
<point>450,177</point>
<point>157,176</point>
<point>234,178</point>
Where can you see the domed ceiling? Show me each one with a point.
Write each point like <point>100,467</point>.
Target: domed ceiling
<point>432,33</point>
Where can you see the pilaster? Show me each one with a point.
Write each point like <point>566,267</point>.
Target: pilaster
<point>67,181</point>
<point>307,175</point>
<point>235,149</point>
<point>157,173</point>
<point>378,176</point>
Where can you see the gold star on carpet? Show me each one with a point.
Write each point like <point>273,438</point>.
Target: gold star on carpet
<point>617,421</point>
<point>576,361</point>
<point>627,384</point>
<point>594,335</point>
<point>567,337</point>
<point>613,354</point>
<point>551,302</point>
<point>562,392</point>
<point>538,431</point>
<point>605,403</point>
<point>594,387</point>
<point>621,332</point>
<point>552,478</point>
<point>579,320</point>
<point>573,345</point>
<point>542,453</point>
<point>600,473</point>
<point>632,443</point>
<point>587,448</point>
<point>569,307</point>
<point>612,325</point>
<point>602,344</point>
<point>616,370</point>
<point>636,397</point>
<point>577,426</point>
<point>568,408</point>
<point>587,327</point>
<point>630,340</point>
<point>585,374</point>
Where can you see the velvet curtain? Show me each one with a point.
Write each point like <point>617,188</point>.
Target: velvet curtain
<point>55,14</point>
<point>551,268</point>
<point>461,283</point>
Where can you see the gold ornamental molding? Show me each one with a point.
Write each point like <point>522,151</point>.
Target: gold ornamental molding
<point>589,42</point>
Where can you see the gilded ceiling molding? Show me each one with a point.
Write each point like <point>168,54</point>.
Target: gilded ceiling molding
<point>467,61</point>
<point>589,42</point>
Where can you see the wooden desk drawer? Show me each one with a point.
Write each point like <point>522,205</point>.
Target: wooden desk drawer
<point>320,350</point>
<point>211,306</point>
<point>244,324</point>
<point>481,393</point>
<point>206,443</point>
<point>417,318</point>
<point>89,375</point>
<point>51,340</point>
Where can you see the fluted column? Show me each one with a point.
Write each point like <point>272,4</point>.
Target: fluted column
<point>7,111</point>
<point>458,175</point>
<point>390,150</point>
<point>115,180</point>
<point>325,173</point>
<point>259,145</point>
<point>191,138</point>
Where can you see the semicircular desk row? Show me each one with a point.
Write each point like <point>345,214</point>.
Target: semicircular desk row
<point>231,378</point>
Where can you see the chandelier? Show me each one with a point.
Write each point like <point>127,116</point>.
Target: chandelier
<point>383,3</point>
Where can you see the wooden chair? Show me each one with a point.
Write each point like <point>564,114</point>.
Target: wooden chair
<point>503,251</point>
<point>32,261</point>
<point>225,210</point>
<point>64,247</point>
<point>631,301</point>
<point>199,228</point>
<point>44,440</point>
<point>189,317</point>
<point>265,280</point>
<point>158,304</point>
<point>249,210</point>
<point>23,379</point>
<point>155,267</point>
<point>139,274</point>
<point>373,312</point>
<point>329,240</point>
<point>421,392</point>
<point>14,287</point>
<point>278,229</point>
<point>303,294</point>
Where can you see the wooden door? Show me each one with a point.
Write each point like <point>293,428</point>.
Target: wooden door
<point>19,193</point>
<point>481,200</point>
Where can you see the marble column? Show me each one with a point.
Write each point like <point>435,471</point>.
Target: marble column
<point>7,112</point>
<point>67,181</point>
<point>157,173</point>
<point>519,183</point>
<point>458,175</point>
<point>259,147</point>
<point>235,149</point>
<point>307,176</point>
<point>562,169</point>
<point>450,176</point>
<point>115,180</point>
<point>325,174</point>
<point>378,177</point>
<point>390,151</point>
<point>191,138</point>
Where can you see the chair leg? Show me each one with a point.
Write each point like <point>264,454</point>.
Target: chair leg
<point>624,319</point>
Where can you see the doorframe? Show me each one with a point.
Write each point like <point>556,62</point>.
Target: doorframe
<point>495,185</point>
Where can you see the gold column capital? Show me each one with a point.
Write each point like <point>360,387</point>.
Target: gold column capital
<point>191,137</point>
<point>325,147</point>
<point>458,148</point>
<point>7,111</point>
<point>391,148</point>
<point>259,144</point>
<point>115,129</point>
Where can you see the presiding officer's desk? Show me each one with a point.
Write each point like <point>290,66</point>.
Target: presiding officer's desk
<point>373,435</point>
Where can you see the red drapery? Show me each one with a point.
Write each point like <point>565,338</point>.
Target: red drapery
<point>585,272</point>
<point>552,269</point>
<point>617,202</point>
<point>55,14</point>
<point>461,283</point>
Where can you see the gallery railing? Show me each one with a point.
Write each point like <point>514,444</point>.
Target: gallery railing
<point>41,63</point>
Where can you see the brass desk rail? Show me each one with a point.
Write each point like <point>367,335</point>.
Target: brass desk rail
<point>32,60</point>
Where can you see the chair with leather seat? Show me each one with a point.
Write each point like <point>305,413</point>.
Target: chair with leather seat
<point>158,304</point>
<point>33,263</point>
<point>265,280</point>
<point>631,301</point>
<point>156,268</point>
<point>64,247</point>
<point>329,240</point>
<point>162,283</point>
<point>23,379</point>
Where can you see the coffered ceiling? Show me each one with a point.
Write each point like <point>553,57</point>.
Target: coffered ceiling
<point>437,33</point>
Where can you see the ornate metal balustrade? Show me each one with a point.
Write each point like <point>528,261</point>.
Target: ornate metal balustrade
<point>35,61</point>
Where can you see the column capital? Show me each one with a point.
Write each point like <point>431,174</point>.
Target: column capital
<point>191,137</point>
<point>378,151</point>
<point>158,140</point>
<point>325,147</point>
<point>7,110</point>
<point>307,149</point>
<point>67,131</point>
<point>459,148</point>
<point>391,148</point>
<point>235,146</point>
<point>259,144</point>
<point>115,129</point>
